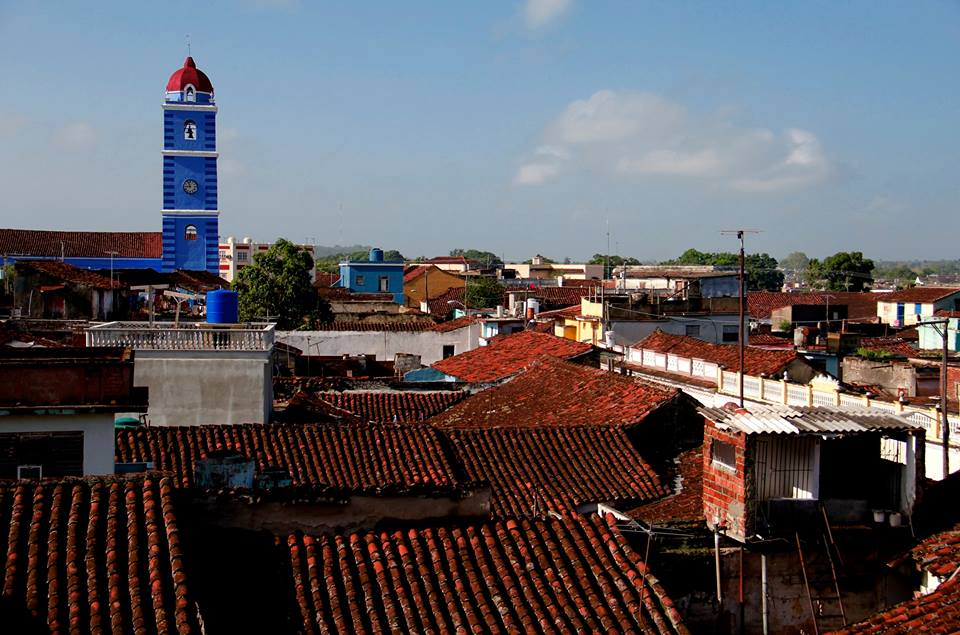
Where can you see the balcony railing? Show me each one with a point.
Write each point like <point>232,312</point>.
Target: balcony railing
<point>787,393</point>
<point>183,337</point>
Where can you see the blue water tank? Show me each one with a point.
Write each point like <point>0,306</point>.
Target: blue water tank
<point>376,255</point>
<point>223,307</point>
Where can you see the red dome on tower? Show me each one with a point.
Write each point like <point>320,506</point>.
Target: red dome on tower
<point>189,75</point>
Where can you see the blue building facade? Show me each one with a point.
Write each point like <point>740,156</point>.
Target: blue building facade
<point>190,210</point>
<point>373,276</point>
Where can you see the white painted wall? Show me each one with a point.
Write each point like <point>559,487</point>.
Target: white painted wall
<point>97,429</point>
<point>384,344</point>
<point>189,388</point>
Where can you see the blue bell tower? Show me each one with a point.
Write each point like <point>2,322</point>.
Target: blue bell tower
<point>190,212</point>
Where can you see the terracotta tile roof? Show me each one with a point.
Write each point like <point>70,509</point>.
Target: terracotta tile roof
<point>756,360</point>
<point>892,345</point>
<point>457,260</point>
<point>686,503</point>
<point>440,306</point>
<point>457,323</point>
<point>769,341</point>
<point>95,555</point>
<point>534,470</point>
<point>575,574</point>
<point>198,280</point>
<point>303,407</point>
<point>387,407</point>
<point>564,296</point>
<point>570,311</point>
<point>71,274</point>
<point>393,326</point>
<point>936,612</point>
<point>325,279</point>
<point>859,305</point>
<point>920,294</point>
<point>552,392</point>
<point>413,272</point>
<point>505,356</point>
<point>71,244</point>
<point>355,458</point>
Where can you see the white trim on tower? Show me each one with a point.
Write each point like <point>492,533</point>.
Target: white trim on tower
<point>190,153</point>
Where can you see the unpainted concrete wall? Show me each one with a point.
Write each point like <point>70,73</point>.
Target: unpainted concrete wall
<point>788,609</point>
<point>889,375</point>
<point>189,388</point>
<point>384,344</point>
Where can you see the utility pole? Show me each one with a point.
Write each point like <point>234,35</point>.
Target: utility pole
<point>113,297</point>
<point>944,420</point>
<point>739,233</point>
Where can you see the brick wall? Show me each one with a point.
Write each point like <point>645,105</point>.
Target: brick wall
<point>725,489</point>
<point>953,380</point>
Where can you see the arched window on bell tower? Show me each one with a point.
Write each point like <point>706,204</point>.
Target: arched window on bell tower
<point>190,130</point>
<point>190,232</point>
<point>189,93</point>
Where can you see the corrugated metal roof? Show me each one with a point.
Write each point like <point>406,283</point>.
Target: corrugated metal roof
<point>759,419</point>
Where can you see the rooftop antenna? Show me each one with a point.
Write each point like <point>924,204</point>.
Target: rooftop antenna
<point>739,233</point>
<point>189,54</point>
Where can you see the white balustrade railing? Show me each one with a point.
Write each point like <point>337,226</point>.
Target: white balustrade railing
<point>202,337</point>
<point>781,392</point>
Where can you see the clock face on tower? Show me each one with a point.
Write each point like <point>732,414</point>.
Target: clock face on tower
<point>190,186</point>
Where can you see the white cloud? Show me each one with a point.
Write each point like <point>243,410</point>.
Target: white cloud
<point>700,163</point>
<point>545,164</point>
<point>643,135</point>
<point>804,164</point>
<point>79,135</point>
<point>536,173</point>
<point>540,13</point>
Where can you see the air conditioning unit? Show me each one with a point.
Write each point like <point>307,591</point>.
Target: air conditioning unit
<point>29,472</point>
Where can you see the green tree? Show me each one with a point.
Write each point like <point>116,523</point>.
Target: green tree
<point>488,258</point>
<point>843,271</point>
<point>761,269</point>
<point>795,261</point>
<point>278,284</point>
<point>612,261</point>
<point>794,266</point>
<point>483,293</point>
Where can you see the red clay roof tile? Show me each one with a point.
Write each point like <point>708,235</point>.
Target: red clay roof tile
<point>508,355</point>
<point>392,326</point>
<point>360,458</point>
<point>919,294</point>
<point>393,407</point>
<point>936,612</point>
<point>96,555</point>
<point>74,244</point>
<point>536,470</point>
<point>686,503</point>
<point>553,392</point>
<point>574,574</point>
<point>69,273</point>
<point>859,305</point>
<point>756,360</point>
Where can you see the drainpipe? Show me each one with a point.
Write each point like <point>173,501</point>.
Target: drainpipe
<point>716,549</point>
<point>763,590</point>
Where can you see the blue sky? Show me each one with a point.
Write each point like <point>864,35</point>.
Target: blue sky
<point>517,127</point>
